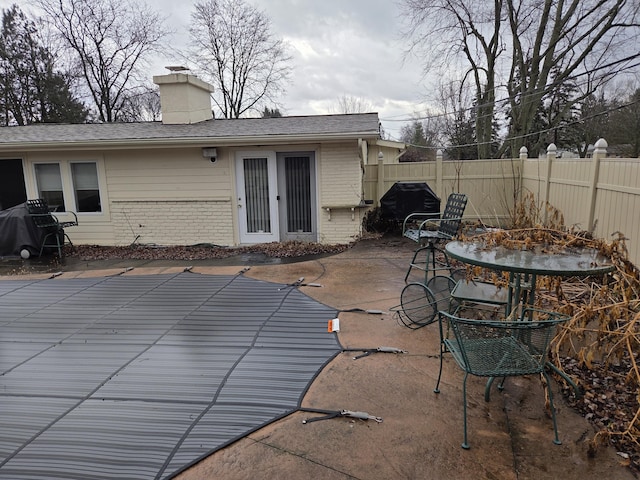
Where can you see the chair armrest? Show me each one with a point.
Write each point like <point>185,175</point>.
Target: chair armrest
<point>416,217</point>
<point>67,223</point>
<point>434,223</point>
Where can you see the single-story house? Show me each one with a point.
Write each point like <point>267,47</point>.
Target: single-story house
<point>194,179</point>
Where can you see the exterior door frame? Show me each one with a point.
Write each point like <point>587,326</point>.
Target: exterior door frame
<point>304,198</point>
<point>248,229</point>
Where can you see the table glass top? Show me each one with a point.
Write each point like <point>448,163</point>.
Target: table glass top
<point>569,262</point>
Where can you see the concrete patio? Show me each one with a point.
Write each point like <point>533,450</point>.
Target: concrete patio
<point>421,432</point>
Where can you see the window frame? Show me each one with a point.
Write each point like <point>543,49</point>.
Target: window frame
<point>74,189</point>
<point>39,189</point>
<point>68,184</point>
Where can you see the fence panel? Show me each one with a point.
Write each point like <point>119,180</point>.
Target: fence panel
<point>601,191</point>
<point>489,184</point>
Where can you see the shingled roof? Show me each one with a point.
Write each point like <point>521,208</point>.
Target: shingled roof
<point>215,131</point>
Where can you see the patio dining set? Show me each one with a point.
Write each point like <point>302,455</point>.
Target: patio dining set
<point>493,331</point>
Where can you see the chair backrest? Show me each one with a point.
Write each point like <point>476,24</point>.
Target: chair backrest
<point>39,211</point>
<point>501,348</point>
<point>452,215</point>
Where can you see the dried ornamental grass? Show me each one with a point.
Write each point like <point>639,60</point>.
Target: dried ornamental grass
<point>598,347</point>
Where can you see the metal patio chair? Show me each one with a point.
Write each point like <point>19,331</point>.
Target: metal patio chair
<point>53,230</point>
<point>487,348</point>
<point>473,293</point>
<point>429,232</point>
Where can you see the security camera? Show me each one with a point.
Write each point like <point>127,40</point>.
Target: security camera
<point>210,153</point>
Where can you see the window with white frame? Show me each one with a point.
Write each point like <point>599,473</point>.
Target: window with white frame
<point>85,186</point>
<point>76,182</point>
<point>49,182</point>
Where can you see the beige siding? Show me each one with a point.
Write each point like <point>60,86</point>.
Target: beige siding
<point>175,174</point>
<point>342,226</point>
<point>170,197</point>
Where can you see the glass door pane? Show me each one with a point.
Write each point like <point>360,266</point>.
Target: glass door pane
<point>298,184</point>
<point>256,184</point>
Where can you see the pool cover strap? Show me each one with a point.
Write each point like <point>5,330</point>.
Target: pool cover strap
<point>339,413</point>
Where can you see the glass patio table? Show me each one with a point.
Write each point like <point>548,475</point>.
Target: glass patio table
<point>525,265</point>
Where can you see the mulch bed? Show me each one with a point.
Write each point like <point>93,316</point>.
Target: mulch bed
<point>201,252</point>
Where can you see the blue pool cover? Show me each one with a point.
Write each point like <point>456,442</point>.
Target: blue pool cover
<point>139,377</point>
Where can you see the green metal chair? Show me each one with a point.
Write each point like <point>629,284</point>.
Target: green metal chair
<point>487,348</point>
<point>429,232</point>
<point>479,294</point>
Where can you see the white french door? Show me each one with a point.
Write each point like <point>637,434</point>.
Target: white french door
<point>256,174</point>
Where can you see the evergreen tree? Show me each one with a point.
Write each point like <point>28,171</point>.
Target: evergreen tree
<point>32,90</point>
<point>271,113</point>
<point>421,139</point>
<point>624,125</point>
<point>461,137</point>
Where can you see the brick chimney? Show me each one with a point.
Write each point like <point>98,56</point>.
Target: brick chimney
<point>184,98</point>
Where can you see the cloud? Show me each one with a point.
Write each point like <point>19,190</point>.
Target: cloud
<point>345,48</point>
<point>339,47</point>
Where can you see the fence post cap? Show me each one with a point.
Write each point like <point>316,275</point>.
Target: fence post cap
<point>552,148</point>
<point>601,143</point>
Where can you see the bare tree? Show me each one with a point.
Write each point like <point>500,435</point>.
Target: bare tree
<point>142,107</point>
<point>110,41</point>
<point>351,104</point>
<point>232,44</point>
<point>587,42</point>
<point>458,120</point>
<point>442,32</point>
<point>552,42</point>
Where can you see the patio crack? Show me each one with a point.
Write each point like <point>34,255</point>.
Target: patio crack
<point>303,457</point>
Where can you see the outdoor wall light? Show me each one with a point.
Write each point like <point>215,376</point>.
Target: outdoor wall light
<point>210,153</point>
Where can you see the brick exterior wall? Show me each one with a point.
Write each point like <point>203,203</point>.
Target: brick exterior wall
<point>172,222</point>
<point>342,228</point>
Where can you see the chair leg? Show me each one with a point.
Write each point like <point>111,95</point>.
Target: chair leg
<point>437,389</point>
<point>44,241</point>
<point>465,443</point>
<point>42,246</point>
<point>556,439</point>
<point>430,264</point>
<point>413,262</point>
<point>59,244</point>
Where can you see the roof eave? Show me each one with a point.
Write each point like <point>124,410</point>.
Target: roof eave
<point>233,141</point>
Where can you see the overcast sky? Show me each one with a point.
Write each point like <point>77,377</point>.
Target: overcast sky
<point>339,47</point>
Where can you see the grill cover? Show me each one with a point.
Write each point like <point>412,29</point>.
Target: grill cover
<point>17,231</point>
<point>404,198</point>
